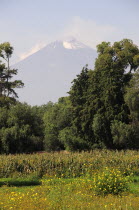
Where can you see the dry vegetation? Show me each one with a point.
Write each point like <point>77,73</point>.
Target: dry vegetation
<point>72,180</point>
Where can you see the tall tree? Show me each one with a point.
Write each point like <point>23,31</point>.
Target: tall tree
<point>132,97</point>
<point>56,118</point>
<point>78,97</point>
<point>7,84</point>
<point>99,95</point>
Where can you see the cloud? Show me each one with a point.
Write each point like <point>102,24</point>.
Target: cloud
<point>90,32</point>
<point>33,50</point>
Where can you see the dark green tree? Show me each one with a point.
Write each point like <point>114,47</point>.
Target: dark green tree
<point>125,136</point>
<point>99,94</point>
<point>132,97</point>
<point>21,129</point>
<point>7,84</point>
<point>79,98</point>
<point>56,118</point>
<point>113,70</point>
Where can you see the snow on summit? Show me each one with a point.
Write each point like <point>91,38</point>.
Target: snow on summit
<point>48,73</point>
<point>73,44</point>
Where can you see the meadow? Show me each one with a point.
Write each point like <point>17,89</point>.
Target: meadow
<point>100,179</point>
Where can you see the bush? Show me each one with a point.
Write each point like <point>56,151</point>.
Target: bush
<point>20,182</point>
<point>68,137</point>
<point>21,129</point>
<point>125,136</point>
<point>110,182</point>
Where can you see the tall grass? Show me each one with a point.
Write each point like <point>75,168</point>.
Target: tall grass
<point>70,180</point>
<point>68,165</point>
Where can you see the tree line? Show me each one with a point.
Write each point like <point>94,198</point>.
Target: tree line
<point>101,111</point>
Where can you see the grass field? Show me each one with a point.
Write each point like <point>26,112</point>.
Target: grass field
<point>70,181</point>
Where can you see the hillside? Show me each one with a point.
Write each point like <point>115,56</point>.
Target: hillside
<point>48,73</point>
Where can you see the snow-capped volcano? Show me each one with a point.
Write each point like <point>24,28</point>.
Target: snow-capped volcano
<point>48,73</point>
<point>73,44</point>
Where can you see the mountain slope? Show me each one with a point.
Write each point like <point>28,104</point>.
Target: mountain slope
<point>48,73</point>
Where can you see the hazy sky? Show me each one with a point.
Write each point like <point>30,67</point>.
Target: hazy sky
<point>30,24</point>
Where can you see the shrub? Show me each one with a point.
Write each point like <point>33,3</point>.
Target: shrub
<point>110,181</point>
<point>20,182</point>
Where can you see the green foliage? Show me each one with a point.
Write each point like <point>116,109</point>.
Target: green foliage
<point>123,135</point>
<point>21,129</point>
<point>72,142</point>
<point>78,97</point>
<point>100,112</point>
<point>56,118</point>
<point>110,181</point>
<point>18,182</point>
<point>132,97</point>
<point>58,193</point>
<point>7,84</point>
<point>99,128</point>
<point>98,97</point>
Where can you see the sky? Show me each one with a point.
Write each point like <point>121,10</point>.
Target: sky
<point>29,25</point>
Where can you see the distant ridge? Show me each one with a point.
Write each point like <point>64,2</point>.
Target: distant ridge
<point>48,73</point>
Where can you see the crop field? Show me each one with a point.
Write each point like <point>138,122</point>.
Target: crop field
<point>61,180</point>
